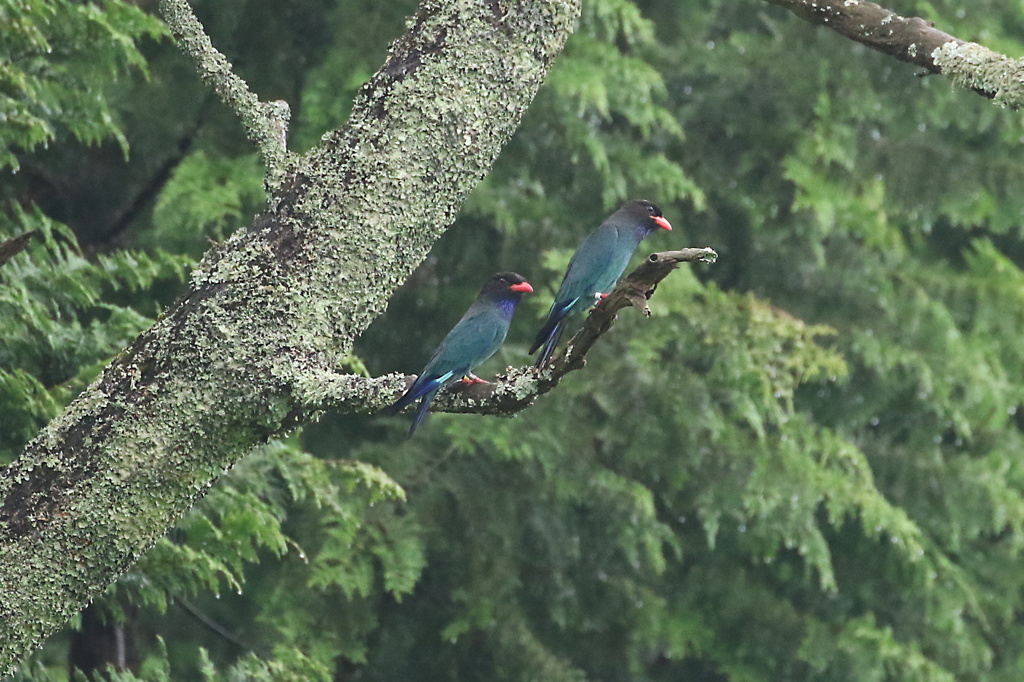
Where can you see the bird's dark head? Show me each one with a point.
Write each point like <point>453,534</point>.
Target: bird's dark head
<point>645,213</point>
<point>506,283</point>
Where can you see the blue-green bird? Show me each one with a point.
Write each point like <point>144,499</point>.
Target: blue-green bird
<point>472,340</point>
<point>596,266</point>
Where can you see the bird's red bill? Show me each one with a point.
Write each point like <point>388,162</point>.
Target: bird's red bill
<point>662,223</point>
<point>523,287</point>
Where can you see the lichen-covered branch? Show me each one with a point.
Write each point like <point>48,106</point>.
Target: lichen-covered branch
<point>978,68</point>
<point>515,390</point>
<point>916,41</point>
<point>265,123</point>
<point>268,312</point>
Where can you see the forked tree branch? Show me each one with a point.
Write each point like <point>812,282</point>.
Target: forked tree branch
<point>516,389</point>
<point>916,41</point>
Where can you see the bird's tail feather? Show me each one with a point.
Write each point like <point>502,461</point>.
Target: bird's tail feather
<point>544,334</point>
<point>552,326</point>
<point>400,404</point>
<point>421,412</point>
<point>427,390</point>
<point>550,343</point>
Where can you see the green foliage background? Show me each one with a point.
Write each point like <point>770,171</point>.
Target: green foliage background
<point>805,466</point>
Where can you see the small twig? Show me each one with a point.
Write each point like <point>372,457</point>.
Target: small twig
<point>145,197</point>
<point>265,123</point>
<point>210,623</point>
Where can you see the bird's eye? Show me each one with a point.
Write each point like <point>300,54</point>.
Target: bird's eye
<point>650,209</point>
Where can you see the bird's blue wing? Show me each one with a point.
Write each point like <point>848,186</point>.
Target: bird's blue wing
<point>589,270</point>
<point>475,338</point>
<point>585,276</point>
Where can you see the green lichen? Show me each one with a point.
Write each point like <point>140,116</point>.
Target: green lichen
<point>975,67</point>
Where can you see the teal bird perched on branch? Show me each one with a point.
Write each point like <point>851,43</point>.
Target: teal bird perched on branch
<point>472,340</point>
<point>596,266</point>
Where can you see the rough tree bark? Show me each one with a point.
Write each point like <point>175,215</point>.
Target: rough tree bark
<point>270,311</point>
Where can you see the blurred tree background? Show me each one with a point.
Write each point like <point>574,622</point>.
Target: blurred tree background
<point>805,466</point>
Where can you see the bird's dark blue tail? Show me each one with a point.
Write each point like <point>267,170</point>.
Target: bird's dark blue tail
<point>549,334</point>
<point>547,340</point>
<point>427,390</point>
<point>420,413</point>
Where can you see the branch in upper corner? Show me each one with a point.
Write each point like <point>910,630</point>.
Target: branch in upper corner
<point>515,390</point>
<point>916,41</point>
<point>265,123</point>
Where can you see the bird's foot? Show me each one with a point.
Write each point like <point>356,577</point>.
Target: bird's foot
<point>598,298</point>
<point>472,379</point>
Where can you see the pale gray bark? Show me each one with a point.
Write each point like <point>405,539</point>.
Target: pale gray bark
<point>270,312</point>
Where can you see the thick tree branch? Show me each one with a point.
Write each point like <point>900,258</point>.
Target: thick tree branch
<point>916,41</point>
<point>515,390</point>
<point>265,123</point>
<point>271,310</point>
